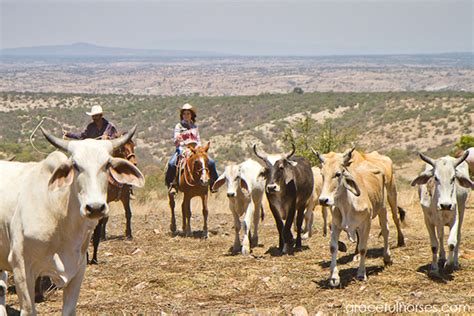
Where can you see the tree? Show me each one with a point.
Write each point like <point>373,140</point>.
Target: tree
<point>465,142</point>
<point>323,138</point>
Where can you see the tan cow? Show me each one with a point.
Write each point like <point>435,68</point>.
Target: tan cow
<point>313,202</point>
<point>356,186</point>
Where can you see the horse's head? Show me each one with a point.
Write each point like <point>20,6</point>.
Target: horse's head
<point>127,151</point>
<point>198,162</point>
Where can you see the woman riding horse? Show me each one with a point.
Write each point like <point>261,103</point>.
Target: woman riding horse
<point>185,132</point>
<point>196,171</point>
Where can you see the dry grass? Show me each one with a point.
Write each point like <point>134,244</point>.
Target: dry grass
<point>178,274</point>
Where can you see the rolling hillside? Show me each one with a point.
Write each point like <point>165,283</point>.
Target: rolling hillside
<point>394,122</point>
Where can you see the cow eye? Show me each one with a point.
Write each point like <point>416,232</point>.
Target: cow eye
<point>436,179</point>
<point>337,175</point>
<point>452,180</point>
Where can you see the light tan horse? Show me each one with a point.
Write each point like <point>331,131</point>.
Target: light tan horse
<point>193,180</point>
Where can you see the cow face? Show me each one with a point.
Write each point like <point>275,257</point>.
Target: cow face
<point>445,174</point>
<point>88,170</point>
<point>231,176</point>
<point>336,177</point>
<point>278,169</point>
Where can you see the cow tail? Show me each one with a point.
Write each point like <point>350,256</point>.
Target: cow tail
<point>402,213</point>
<point>262,214</point>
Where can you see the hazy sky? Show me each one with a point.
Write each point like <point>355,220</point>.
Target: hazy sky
<point>244,27</point>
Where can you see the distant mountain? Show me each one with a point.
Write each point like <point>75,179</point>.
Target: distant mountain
<point>91,50</point>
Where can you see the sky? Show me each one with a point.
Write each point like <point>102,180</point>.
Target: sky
<point>262,27</point>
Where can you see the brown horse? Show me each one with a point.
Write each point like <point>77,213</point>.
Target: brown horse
<point>193,180</point>
<point>116,192</point>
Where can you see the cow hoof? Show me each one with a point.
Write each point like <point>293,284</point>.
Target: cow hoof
<point>245,251</point>
<point>449,267</point>
<point>189,234</point>
<point>361,277</point>
<point>129,238</point>
<point>39,298</point>
<point>205,235</point>
<point>93,261</point>
<point>401,242</point>
<point>253,242</point>
<point>434,274</point>
<point>388,262</point>
<point>305,236</point>
<point>334,282</point>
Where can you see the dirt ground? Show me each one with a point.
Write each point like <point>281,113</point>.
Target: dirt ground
<point>157,272</point>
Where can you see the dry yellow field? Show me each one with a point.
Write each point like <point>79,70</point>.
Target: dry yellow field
<point>158,272</point>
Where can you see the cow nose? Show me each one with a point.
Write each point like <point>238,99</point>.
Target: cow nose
<point>271,187</point>
<point>323,201</point>
<point>95,209</point>
<point>230,194</point>
<point>445,206</point>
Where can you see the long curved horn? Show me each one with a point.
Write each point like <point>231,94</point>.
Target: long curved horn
<point>317,154</point>
<point>461,159</point>
<point>122,140</point>
<point>262,156</point>
<point>427,159</point>
<point>290,153</point>
<point>56,142</point>
<point>347,156</point>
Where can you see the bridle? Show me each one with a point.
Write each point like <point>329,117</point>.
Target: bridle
<point>189,174</point>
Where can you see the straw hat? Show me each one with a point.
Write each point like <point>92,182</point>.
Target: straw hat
<point>188,107</point>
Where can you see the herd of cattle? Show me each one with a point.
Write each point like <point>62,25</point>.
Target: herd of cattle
<point>50,208</point>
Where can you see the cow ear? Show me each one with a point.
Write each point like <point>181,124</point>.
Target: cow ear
<point>219,182</point>
<point>291,162</point>
<point>263,174</point>
<point>350,184</point>
<point>422,178</point>
<point>126,173</point>
<point>464,181</point>
<point>289,176</point>
<point>243,185</point>
<point>62,176</point>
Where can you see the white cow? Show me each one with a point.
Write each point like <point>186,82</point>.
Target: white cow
<point>245,192</point>
<point>444,187</point>
<point>49,210</point>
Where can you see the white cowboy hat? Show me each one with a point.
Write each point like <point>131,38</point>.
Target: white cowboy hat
<point>188,107</point>
<point>96,109</point>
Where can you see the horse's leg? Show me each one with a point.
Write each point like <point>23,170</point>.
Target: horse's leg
<point>205,213</point>
<point>186,209</point>
<point>173,219</point>
<point>125,198</point>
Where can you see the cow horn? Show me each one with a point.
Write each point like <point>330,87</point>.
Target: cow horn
<point>291,153</point>
<point>122,140</point>
<point>262,156</point>
<point>461,159</point>
<point>347,156</point>
<point>427,159</point>
<point>317,154</point>
<point>56,142</point>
